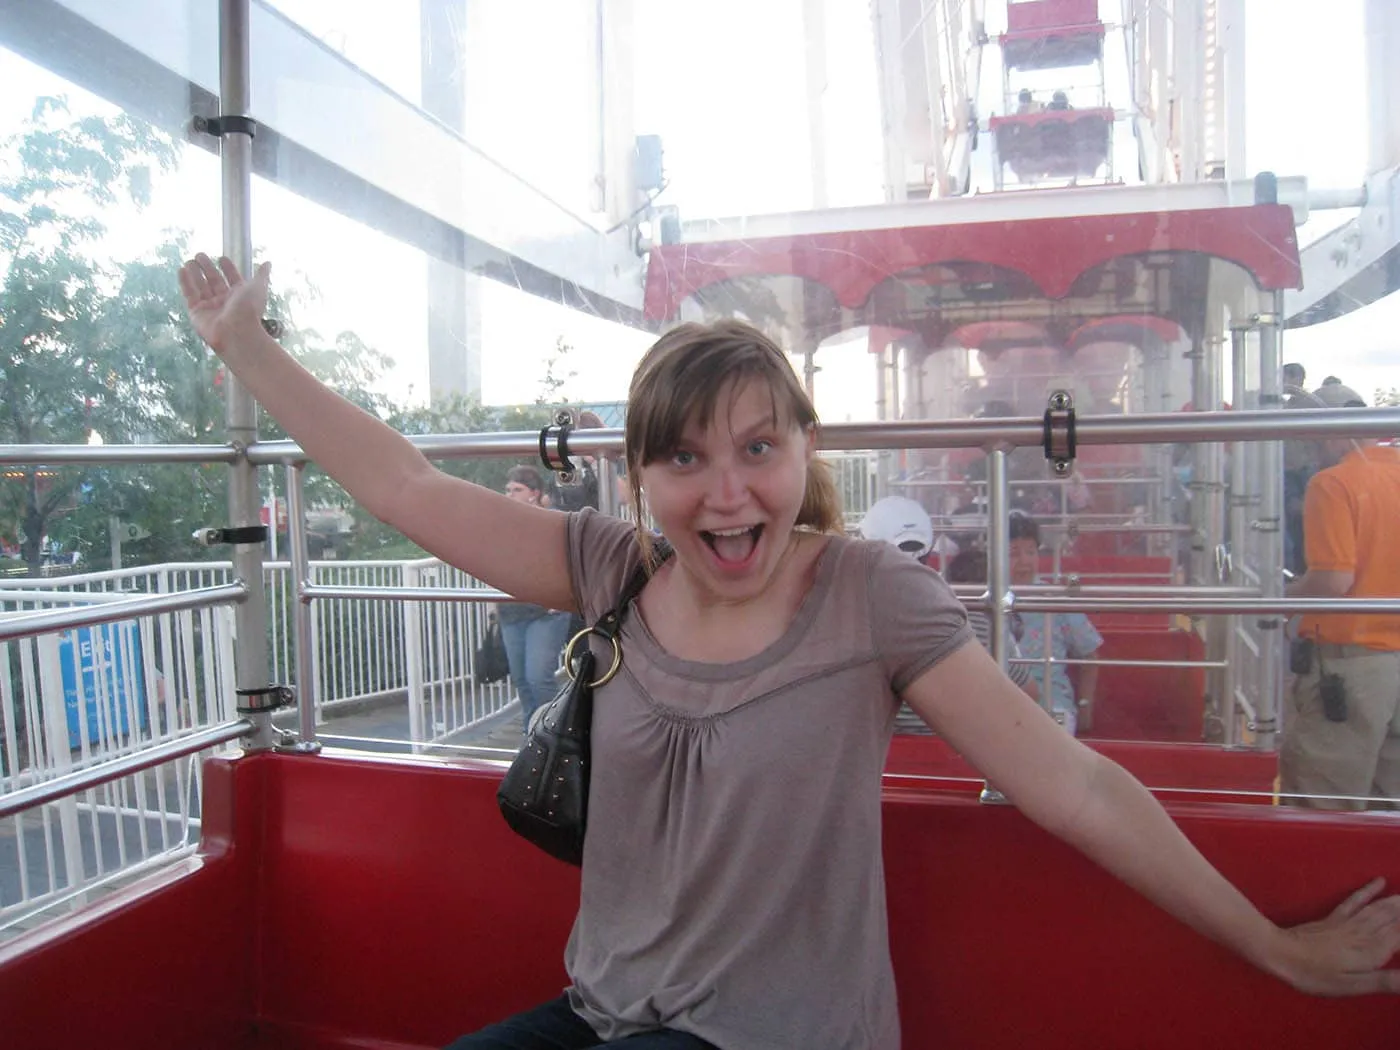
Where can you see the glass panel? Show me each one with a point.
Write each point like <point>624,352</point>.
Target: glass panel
<point>433,186</point>
<point>99,204</point>
<point>381,39</point>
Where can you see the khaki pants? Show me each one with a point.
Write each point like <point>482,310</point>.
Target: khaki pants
<point>1359,757</point>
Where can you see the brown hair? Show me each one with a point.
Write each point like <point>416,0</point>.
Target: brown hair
<point>680,380</point>
<point>967,566</point>
<point>1023,527</point>
<point>526,475</point>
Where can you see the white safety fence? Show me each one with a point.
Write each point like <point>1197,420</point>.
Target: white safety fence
<point>73,699</point>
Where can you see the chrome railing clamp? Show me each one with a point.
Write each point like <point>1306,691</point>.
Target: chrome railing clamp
<point>1058,438</point>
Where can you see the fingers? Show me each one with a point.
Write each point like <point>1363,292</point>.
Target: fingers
<point>230,271</point>
<point>1377,982</point>
<point>214,281</point>
<point>1359,899</point>
<point>1382,914</point>
<point>189,286</point>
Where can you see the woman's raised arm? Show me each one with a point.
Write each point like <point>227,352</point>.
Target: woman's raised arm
<point>516,547</point>
<point>1095,805</point>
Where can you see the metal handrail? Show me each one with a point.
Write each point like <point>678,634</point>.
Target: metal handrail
<point>62,597</point>
<point>1019,432</point>
<point>406,594</point>
<point>1250,606</point>
<point>114,769</point>
<point>107,576</point>
<point>52,455</point>
<point>24,625</point>
<point>1051,661</point>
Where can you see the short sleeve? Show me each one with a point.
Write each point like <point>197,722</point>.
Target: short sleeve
<point>602,552</point>
<point>915,618</point>
<point>1329,527</point>
<point>1082,637</point>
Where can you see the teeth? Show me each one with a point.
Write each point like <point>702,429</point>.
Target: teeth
<point>731,532</point>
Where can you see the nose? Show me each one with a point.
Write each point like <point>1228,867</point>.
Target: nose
<point>728,488</point>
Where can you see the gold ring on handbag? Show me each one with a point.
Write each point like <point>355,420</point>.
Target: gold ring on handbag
<point>616,656</point>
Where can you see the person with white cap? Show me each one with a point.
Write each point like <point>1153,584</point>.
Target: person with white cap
<point>903,523</point>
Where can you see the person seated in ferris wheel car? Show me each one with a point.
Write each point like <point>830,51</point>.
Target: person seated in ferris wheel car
<point>1059,101</point>
<point>765,663</point>
<point>904,524</point>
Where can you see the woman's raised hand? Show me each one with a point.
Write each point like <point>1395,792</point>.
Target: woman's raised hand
<point>221,304</point>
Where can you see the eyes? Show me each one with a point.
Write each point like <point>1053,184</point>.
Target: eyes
<point>755,450</point>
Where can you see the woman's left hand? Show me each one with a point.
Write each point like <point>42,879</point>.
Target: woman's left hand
<point>1344,953</point>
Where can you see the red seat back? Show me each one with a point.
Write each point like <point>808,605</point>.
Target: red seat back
<point>380,905</point>
<point>1050,14</point>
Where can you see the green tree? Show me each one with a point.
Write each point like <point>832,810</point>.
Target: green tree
<point>63,375</point>
<point>184,387</point>
<point>452,415</point>
<point>1387,398</point>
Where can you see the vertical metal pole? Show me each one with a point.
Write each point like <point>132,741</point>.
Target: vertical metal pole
<point>607,485</point>
<point>617,111</point>
<point>814,29</point>
<point>1230,18</point>
<point>998,553</point>
<point>1269,522</point>
<point>889,51</point>
<point>413,655</point>
<point>454,299</point>
<point>241,413</point>
<point>1200,465</point>
<point>1383,98</point>
<point>1239,528</point>
<point>934,87</point>
<point>1210,492</point>
<point>301,608</point>
<point>999,594</point>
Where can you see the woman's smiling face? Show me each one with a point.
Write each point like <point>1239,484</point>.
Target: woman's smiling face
<point>727,497</point>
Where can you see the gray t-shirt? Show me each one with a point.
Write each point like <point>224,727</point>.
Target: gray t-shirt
<point>733,884</point>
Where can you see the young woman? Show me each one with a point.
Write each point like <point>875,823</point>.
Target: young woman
<point>733,890</point>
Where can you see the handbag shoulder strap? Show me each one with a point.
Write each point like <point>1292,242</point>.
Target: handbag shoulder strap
<point>611,621</point>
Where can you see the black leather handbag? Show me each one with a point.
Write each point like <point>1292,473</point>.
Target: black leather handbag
<point>491,663</point>
<point>544,796</point>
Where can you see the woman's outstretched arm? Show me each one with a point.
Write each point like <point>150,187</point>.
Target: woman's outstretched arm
<point>1096,806</point>
<point>510,545</point>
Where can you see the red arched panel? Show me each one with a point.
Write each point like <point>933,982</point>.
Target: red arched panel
<point>1136,329</point>
<point>996,335</point>
<point>1052,253</point>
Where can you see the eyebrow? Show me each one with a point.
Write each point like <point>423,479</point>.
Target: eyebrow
<point>688,436</point>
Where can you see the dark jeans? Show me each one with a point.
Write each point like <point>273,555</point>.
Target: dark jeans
<point>554,1026</point>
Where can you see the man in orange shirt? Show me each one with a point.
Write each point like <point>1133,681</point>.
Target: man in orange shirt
<point>1342,736</point>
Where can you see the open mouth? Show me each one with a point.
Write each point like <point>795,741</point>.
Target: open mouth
<point>733,546</point>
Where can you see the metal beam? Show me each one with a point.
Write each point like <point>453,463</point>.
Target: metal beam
<point>159,60</point>
<point>1355,264</point>
<point>889,62</point>
<point>1383,85</point>
<point>1028,204</point>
